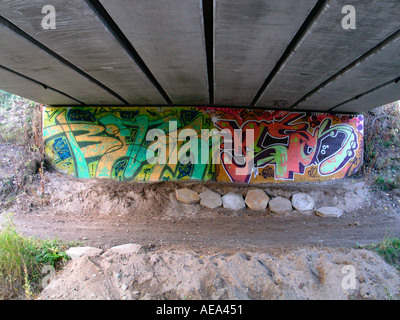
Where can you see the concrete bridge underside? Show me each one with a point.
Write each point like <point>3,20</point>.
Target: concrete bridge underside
<point>286,55</point>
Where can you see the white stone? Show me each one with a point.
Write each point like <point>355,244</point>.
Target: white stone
<point>233,201</point>
<point>303,202</point>
<point>124,286</point>
<point>210,199</point>
<point>280,205</point>
<point>129,248</point>
<point>257,199</point>
<point>77,252</point>
<point>187,196</point>
<point>329,212</point>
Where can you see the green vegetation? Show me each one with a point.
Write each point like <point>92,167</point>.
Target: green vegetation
<point>19,119</point>
<point>386,184</point>
<point>382,147</point>
<point>22,260</point>
<point>20,125</point>
<point>388,249</point>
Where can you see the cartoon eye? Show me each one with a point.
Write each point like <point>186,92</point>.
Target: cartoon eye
<point>323,150</point>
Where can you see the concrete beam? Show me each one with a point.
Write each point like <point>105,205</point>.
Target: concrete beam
<point>31,90</point>
<point>169,37</point>
<point>327,48</point>
<point>81,38</point>
<point>381,65</point>
<point>250,38</point>
<point>20,55</point>
<point>384,95</point>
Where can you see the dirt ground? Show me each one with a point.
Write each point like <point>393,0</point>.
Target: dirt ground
<point>107,213</point>
<point>218,254</point>
<point>153,274</point>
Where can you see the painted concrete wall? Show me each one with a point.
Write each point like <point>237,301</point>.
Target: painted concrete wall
<point>195,143</point>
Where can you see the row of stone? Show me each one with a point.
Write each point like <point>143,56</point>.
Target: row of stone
<point>256,199</point>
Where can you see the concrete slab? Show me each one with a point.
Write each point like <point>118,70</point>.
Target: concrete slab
<point>81,38</point>
<point>30,90</point>
<point>169,36</point>
<point>20,55</point>
<point>250,37</point>
<point>327,48</point>
<point>329,212</point>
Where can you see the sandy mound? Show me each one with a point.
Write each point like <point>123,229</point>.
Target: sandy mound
<point>67,195</point>
<point>300,274</point>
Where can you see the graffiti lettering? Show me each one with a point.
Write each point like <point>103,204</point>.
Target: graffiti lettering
<point>290,147</point>
<point>184,143</point>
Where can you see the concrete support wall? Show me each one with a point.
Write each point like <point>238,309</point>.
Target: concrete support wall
<point>195,143</point>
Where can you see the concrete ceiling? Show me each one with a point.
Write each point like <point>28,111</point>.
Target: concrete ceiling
<point>290,55</point>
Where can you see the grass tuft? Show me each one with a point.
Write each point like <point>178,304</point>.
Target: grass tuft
<point>388,249</point>
<point>22,260</point>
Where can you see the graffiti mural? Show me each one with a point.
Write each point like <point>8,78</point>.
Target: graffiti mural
<point>111,143</point>
<point>291,144</point>
<point>178,143</point>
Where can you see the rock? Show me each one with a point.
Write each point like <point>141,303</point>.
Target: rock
<point>329,212</point>
<point>129,248</point>
<point>210,199</point>
<point>303,202</point>
<point>257,199</point>
<point>233,201</point>
<point>187,196</point>
<point>280,205</point>
<point>124,286</point>
<point>77,252</point>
